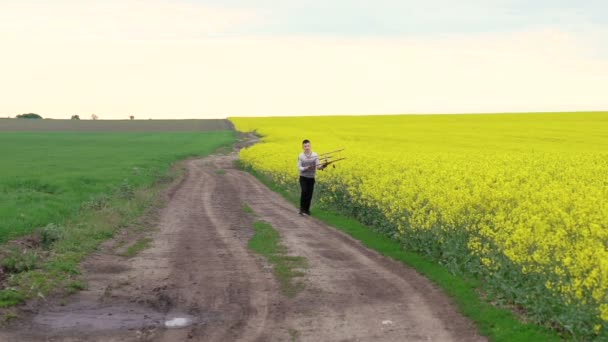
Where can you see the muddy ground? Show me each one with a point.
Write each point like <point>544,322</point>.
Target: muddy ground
<point>200,274</point>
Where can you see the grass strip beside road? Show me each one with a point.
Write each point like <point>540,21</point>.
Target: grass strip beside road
<point>287,269</point>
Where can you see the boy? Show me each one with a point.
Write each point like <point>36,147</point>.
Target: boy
<point>308,163</point>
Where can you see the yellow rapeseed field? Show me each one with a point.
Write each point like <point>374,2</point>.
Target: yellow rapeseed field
<point>519,199</point>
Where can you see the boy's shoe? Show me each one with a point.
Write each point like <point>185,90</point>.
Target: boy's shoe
<point>306,213</point>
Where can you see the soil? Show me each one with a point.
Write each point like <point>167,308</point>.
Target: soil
<point>200,275</point>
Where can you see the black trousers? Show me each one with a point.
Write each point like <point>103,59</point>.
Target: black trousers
<point>308,186</point>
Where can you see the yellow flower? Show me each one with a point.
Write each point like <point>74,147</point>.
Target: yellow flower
<point>511,183</point>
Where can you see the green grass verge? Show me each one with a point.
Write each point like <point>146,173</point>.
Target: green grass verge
<point>10,297</point>
<point>294,334</point>
<point>247,209</point>
<point>267,242</point>
<point>137,247</point>
<point>495,323</point>
<point>75,286</point>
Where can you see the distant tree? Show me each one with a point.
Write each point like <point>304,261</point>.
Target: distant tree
<point>131,117</point>
<point>94,117</point>
<point>75,117</point>
<point>29,116</point>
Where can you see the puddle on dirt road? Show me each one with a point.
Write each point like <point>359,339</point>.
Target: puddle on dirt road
<point>178,322</point>
<point>80,317</point>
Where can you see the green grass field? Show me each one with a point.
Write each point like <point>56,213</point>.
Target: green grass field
<point>50,125</point>
<point>49,177</point>
<point>70,190</point>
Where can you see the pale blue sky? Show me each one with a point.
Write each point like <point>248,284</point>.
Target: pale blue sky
<point>353,18</point>
<point>203,59</point>
<point>407,17</point>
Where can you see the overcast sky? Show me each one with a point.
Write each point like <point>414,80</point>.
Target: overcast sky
<point>213,59</point>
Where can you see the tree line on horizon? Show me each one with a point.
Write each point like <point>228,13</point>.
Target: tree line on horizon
<point>74,117</point>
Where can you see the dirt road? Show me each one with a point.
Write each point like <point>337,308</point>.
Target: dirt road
<point>200,272</point>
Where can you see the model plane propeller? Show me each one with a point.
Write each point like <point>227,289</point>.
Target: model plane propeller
<point>330,157</point>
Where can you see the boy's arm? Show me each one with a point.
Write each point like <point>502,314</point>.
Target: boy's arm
<point>300,167</point>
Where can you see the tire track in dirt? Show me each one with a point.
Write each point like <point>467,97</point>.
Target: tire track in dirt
<point>214,273</point>
<point>199,266</point>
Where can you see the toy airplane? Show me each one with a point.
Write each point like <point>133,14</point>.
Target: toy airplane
<point>331,157</point>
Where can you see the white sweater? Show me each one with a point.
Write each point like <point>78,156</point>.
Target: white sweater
<point>305,161</point>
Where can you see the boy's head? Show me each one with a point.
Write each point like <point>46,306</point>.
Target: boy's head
<point>306,145</point>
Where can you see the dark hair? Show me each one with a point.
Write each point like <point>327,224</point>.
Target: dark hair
<point>306,141</point>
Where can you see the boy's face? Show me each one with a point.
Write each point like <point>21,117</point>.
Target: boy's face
<point>306,147</point>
